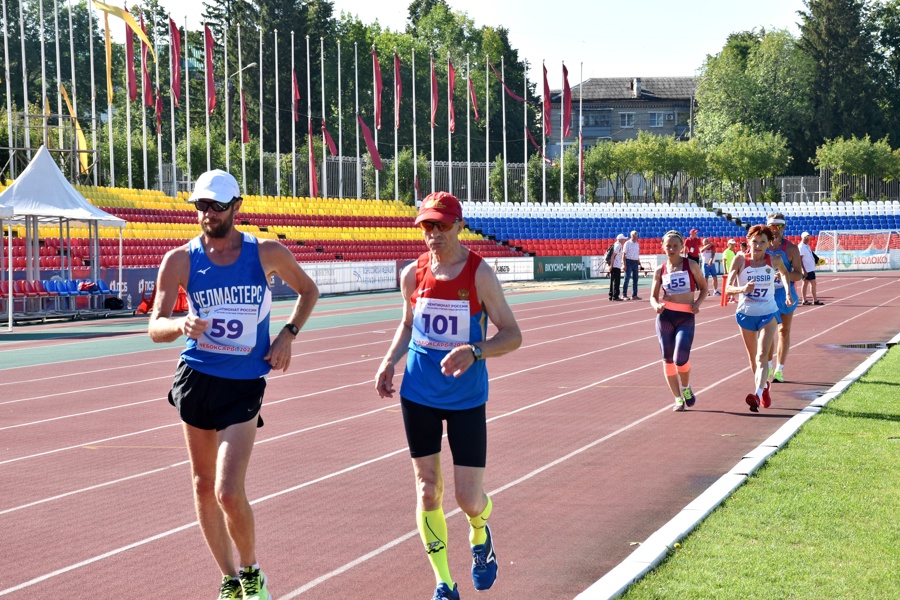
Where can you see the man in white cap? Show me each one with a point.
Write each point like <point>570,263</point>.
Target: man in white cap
<point>220,380</point>
<point>615,267</point>
<point>632,251</point>
<point>790,256</point>
<point>809,270</point>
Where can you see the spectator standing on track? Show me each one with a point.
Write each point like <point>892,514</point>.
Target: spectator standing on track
<point>727,257</point>
<point>448,296</point>
<point>809,270</point>
<point>615,267</point>
<point>220,380</point>
<point>753,277</point>
<point>790,256</point>
<point>632,253</point>
<point>683,287</point>
<point>692,246</point>
<point>708,259</point>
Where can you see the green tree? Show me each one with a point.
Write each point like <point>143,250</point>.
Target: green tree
<point>743,154</point>
<point>858,157</point>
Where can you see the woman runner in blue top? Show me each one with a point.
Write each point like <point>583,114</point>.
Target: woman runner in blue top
<point>448,296</point>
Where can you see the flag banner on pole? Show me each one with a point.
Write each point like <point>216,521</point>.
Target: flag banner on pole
<point>580,163</point>
<point>106,9</point>
<point>370,144</point>
<point>434,93</point>
<point>109,85</point>
<point>538,148</point>
<point>313,179</point>
<point>210,80</point>
<point>416,186</point>
<point>159,110</point>
<point>176,62</point>
<point>511,93</point>
<point>245,132</point>
<point>129,64</point>
<point>328,139</point>
<point>567,103</point>
<point>379,86</point>
<point>398,91</point>
<point>474,98</point>
<point>145,73</point>
<point>83,159</point>
<point>296,95</point>
<point>548,108</point>
<point>451,89</point>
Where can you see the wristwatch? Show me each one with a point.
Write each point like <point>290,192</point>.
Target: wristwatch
<point>292,328</point>
<point>476,350</point>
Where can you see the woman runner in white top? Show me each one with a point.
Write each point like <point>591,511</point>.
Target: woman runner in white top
<point>753,278</point>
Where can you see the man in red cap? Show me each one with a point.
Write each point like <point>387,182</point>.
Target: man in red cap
<point>692,246</point>
<point>448,295</point>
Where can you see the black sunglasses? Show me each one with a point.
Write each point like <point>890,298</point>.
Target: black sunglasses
<point>205,205</point>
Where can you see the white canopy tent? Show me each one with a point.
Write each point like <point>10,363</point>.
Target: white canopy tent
<point>42,195</point>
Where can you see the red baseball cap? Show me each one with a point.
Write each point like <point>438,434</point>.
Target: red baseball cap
<point>440,206</point>
<point>694,231</point>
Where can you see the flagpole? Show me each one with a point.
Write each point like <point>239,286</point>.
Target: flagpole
<point>356,89</point>
<point>324,144</point>
<point>44,82</point>
<point>376,100</point>
<point>562,139</point>
<point>128,112</point>
<point>544,142</point>
<point>71,57</point>
<point>433,75</point>
<point>340,127</point>
<point>241,89</point>
<point>172,62</point>
<point>414,149</point>
<point>143,105</point>
<point>449,130</point>
<point>109,114</point>
<point>503,106</point>
<point>155,105</point>
<point>468,131</point>
<point>396,127</point>
<point>206,51</point>
<point>25,82</point>
<point>487,131</point>
<point>277,125</point>
<point>525,127</point>
<point>580,138</point>
<point>293,123</point>
<point>58,73</point>
<point>187,97</point>
<point>261,191</point>
<point>312,166</point>
<point>12,172</point>
<point>226,83</point>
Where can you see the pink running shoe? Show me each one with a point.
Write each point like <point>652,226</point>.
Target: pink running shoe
<point>753,402</point>
<point>766,398</point>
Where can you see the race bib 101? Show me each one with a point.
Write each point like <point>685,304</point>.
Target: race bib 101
<point>441,324</point>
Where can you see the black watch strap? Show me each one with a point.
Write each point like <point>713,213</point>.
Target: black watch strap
<point>292,328</point>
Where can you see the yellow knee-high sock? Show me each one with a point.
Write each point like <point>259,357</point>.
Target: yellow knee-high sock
<point>477,534</point>
<point>433,531</point>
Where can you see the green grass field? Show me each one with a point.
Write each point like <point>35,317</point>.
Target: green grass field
<point>820,520</point>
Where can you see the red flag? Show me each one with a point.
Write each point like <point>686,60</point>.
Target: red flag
<point>416,186</point>
<point>398,91</point>
<point>511,93</point>
<point>538,148</point>
<point>474,98</point>
<point>370,144</point>
<point>175,51</point>
<point>145,74</point>
<point>378,87</point>
<point>296,96</point>
<point>210,81</point>
<point>548,108</point>
<point>567,103</point>
<point>313,179</point>
<point>331,147</point>
<point>434,93</point>
<point>245,133</point>
<point>159,109</point>
<point>451,88</point>
<point>581,163</point>
<point>129,63</point>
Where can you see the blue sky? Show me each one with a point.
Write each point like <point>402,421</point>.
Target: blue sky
<point>634,38</point>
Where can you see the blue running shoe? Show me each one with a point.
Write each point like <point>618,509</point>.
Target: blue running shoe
<point>443,592</point>
<point>484,563</point>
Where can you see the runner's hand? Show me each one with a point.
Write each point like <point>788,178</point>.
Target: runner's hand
<point>457,361</point>
<point>194,326</point>
<point>384,381</point>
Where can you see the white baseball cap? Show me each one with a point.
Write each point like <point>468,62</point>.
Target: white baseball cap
<point>804,234</point>
<point>216,185</point>
<point>731,241</point>
<point>621,236</point>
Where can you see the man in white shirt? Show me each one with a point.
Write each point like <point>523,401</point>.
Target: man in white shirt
<point>809,270</point>
<point>615,268</point>
<point>632,265</point>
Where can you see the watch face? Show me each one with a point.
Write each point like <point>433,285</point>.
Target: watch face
<point>292,328</point>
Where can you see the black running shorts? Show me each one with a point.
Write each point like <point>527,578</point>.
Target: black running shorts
<point>466,432</point>
<point>208,402</point>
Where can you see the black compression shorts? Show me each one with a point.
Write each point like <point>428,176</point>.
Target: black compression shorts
<point>466,432</point>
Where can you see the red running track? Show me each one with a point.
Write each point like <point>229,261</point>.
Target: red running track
<point>585,456</point>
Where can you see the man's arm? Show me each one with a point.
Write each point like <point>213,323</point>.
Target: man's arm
<point>173,273</point>
<point>278,260</point>
<point>793,255</point>
<point>384,377</point>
